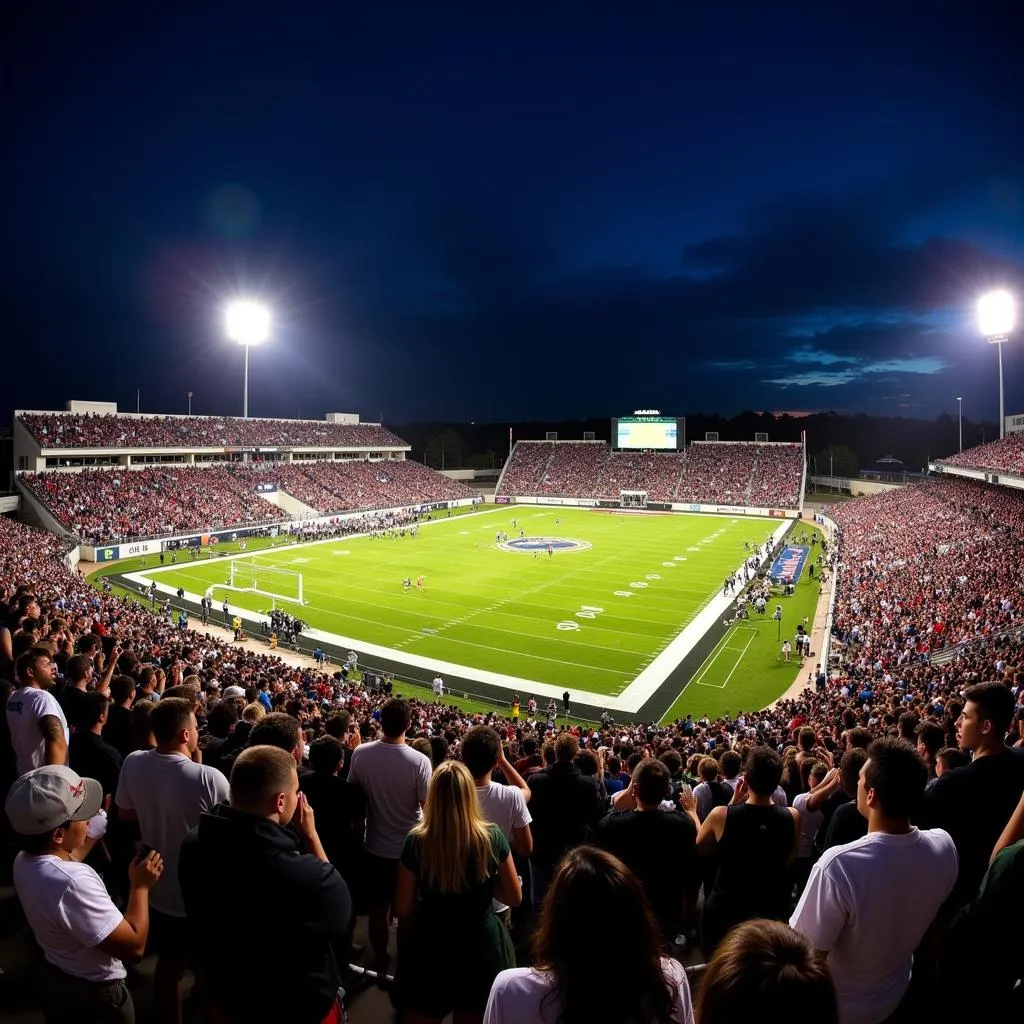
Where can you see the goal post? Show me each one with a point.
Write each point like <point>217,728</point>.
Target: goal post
<point>252,576</point>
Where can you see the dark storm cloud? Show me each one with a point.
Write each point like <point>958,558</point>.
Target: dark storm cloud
<point>816,294</point>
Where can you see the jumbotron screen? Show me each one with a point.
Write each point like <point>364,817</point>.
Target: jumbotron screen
<point>661,432</point>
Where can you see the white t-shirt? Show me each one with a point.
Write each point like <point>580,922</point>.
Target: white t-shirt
<point>504,806</point>
<point>168,792</point>
<point>809,822</point>
<point>26,706</point>
<point>518,997</point>
<point>70,914</point>
<point>868,904</point>
<point>395,779</point>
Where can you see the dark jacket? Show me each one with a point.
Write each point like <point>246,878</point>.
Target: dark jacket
<point>565,806</point>
<point>244,876</point>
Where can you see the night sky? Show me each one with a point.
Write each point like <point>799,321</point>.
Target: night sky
<point>502,212</point>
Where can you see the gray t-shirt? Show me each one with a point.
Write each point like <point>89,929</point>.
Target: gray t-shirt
<point>395,779</point>
<point>168,792</point>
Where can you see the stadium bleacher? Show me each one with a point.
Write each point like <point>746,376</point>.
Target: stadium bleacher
<point>1005,455</point>
<point>101,506</point>
<point>756,475</point>
<point>85,430</point>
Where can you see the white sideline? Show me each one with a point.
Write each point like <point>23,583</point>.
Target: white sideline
<point>630,700</point>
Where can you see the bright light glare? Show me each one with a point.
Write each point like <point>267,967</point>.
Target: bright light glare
<point>247,322</point>
<point>996,314</point>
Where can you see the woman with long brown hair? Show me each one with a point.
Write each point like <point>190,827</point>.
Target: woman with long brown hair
<point>593,894</point>
<point>451,944</point>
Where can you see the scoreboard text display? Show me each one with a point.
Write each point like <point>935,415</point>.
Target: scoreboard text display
<point>650,432</point>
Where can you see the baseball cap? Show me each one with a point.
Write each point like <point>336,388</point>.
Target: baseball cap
<point>45,798</point>
<point>234,691</point>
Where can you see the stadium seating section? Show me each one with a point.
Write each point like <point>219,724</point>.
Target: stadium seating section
<point>103,505</point>
<point>65,430</point>
<point>755,475</point>
<point>1003,456</point>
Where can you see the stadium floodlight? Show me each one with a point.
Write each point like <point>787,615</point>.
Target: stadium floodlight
<point>996,316</point>
<point>248,323</point>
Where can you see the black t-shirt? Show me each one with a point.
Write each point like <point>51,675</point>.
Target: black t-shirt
<point>832,804</point>
<point>847,825</point>
<point>94,758</point>
<point>119,731</point>
<point>71,699</point>
<point>337,804</point>
<point>973,804</point>
<point>660,848</point>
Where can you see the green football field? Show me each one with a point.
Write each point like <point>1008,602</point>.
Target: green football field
<point>589,619</point>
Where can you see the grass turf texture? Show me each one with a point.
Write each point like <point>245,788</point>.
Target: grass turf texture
<point>493,609</point>
<point>744,671</point>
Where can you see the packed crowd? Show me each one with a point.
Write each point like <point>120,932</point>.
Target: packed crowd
<point>573,469</point>
<point>1005,455</point>
<point>657,473</point>
<point>720,470</point>
<point>124,430</point>
<point>759,475</point>
<point>927,567</point>
<point>777,476</point>
<point>848,855</point>
<point>525,470</point>
<point>102,506</point>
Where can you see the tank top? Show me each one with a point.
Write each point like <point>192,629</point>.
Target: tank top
<point>753,879</point>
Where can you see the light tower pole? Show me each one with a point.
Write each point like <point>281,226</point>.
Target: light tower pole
<point>996,316</point>
<point>248,323</point>
<point>960,418</point>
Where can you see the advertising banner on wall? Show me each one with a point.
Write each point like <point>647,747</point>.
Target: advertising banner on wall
<point>107,554</point>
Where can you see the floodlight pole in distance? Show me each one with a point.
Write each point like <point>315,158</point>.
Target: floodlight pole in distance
<point>248,323</point>
<point>960,417</point>
<point>996,314</point>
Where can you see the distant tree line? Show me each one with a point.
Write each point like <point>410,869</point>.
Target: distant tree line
<point>852,441</point>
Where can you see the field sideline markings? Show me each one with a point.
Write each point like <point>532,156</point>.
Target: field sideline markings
<point>733,632</point>
<point>630,699</point>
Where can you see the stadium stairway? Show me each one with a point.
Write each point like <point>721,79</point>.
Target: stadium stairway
<point>291,506</point>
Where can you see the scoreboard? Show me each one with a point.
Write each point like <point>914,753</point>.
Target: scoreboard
<point>662,433</point>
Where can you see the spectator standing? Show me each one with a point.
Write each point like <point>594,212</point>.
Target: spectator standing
<point>505,806</point>
<point>565,807</point>
<point>307,912</point>
<point>89,754</point>
<point>593,894</point>
<point>709,792</point>
<point>119,731</point>
<point>868,904</point>
<point>451,944</point>
<point>38,728</point>
<point>166,791</point>
<point>755,841</point>
<point>658,846</point>
<point>977,942</point>
<point>395,779</point>
<point>974,803</point>
<point>502,805</point>
<point>82,933</point>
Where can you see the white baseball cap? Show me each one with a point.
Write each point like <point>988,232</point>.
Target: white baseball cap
<point>43,799</point>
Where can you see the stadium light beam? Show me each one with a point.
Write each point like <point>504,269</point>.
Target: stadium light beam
<point>248,323</point>
<point>996,319</point>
